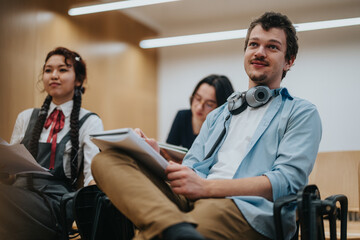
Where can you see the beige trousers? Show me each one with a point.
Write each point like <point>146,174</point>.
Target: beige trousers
<point>152,206</point>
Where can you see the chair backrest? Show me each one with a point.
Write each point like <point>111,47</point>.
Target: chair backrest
<point>311,213</point>
<point>97,218</point>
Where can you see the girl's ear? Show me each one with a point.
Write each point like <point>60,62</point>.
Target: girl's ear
<point>77,83</point>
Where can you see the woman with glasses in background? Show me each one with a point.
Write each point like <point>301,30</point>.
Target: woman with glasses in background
<point>209,93</point>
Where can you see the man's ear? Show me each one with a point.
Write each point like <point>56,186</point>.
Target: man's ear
<point>289,64</point>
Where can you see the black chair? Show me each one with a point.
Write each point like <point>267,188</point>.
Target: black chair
<point>95,216</point>
<point>312,211</point>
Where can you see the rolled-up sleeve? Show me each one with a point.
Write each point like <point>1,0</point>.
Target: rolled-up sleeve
<point>297,151</point>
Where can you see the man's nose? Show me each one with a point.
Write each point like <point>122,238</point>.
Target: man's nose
<point>260,53</point>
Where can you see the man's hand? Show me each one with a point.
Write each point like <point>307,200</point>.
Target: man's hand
<point>185,181</point>
<point>6,178</point>
<point>152,142</point>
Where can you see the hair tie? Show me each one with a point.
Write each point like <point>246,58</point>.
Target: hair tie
<point>77,58</point>
<point>79,91</point>
<point>42,112</point>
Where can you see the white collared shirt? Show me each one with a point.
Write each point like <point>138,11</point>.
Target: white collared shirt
<point>87,148</point>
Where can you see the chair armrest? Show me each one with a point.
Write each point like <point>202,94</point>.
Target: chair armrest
<point>335,213</point>
<point>278,205</point>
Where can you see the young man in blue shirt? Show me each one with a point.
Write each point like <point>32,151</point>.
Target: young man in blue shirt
<point>259,146</point>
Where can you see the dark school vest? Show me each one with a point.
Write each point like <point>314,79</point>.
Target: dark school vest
<point>44,149</point>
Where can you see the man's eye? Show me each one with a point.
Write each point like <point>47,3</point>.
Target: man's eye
<point>273,47</point>
<point>252,44</point>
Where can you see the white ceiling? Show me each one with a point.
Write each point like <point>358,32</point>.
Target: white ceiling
<point>200,16</point>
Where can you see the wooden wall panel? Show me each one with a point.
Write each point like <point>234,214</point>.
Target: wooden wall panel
<point>16,62</point>
<point>338,173</point>
<point>122,78</point>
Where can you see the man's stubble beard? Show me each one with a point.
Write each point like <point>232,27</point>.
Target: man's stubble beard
<point>257,79</point>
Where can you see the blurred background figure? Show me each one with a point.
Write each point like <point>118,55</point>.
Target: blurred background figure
<point>209,93</point>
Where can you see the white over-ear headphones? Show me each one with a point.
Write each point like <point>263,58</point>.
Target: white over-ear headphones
<point>254,97</point>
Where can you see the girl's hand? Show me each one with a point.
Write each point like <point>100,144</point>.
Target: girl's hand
<point>92,182</point>
<point>152,142</point>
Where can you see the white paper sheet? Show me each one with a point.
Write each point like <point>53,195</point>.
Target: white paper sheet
<point>126,140</point>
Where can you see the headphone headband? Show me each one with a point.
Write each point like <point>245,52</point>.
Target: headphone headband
<point>254,97</point>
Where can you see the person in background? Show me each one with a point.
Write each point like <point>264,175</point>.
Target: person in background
<point>57,135</point>
<point>209,93</point>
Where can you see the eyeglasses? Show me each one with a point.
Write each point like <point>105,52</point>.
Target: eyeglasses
<point>208,104</point>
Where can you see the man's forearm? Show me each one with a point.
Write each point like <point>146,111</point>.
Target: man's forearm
<point>253,186</point>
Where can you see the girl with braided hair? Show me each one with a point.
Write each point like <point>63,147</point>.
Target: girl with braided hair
<point>57,135</point>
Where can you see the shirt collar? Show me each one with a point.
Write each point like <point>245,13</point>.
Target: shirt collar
<point>66,108</point>
<point>285,93</point>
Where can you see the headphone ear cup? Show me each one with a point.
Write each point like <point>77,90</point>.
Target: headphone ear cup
<point>235,101</point>
<point>258,96</point>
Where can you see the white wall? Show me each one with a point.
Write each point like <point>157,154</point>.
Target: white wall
<point>326,72</point>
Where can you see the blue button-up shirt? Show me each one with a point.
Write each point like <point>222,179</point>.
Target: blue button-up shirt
<point>283,148</point>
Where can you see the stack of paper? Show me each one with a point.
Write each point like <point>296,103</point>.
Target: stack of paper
<point>127,141</point>
<point>15,158</point>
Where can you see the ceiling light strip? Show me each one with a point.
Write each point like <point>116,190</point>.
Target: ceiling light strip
<point>190,39</point>
<point>327,24</point>
<point>113,6</point>
<point>237,34</point>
